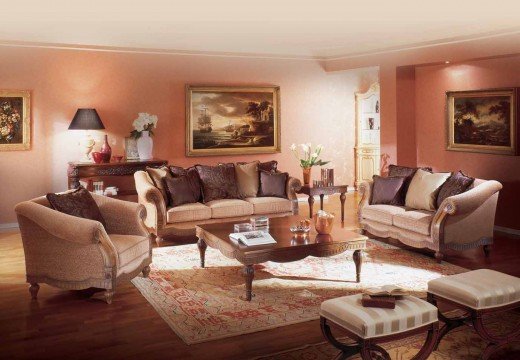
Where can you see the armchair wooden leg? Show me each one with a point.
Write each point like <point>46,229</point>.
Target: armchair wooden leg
<point>33,289</point>
<point>146,271</point>
<point>109,294</point>
<point>487,249</point>
<point>439,256</point>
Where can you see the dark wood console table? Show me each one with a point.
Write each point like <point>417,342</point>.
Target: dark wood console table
<point>311,191</point>
<point>118,174</point>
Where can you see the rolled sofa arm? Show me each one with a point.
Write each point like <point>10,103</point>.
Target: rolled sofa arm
<point>292,187</point>
<point>151,198</point>
<point>60,225</point>
<point>470,200</point>
<point>122,217</point>
<point>365,189</point>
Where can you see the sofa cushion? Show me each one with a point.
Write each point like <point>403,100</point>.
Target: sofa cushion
<point>414,220</point>
<point>269,205</point>
<point>129,247</point>
<point>387,190</point>
<point>423,190</point>
<point>179,190</point>
<point>225,208</point>
<point>408,172</point>
<point>218,182</point>
<point>409,313</point>
<point>193,177</point>
<point>273,184</point>
<point>456,184</point>
<point>79,203</point>
<point>381,213</point>
<point>158,175</point>
<point>247,178</point>
<point>188,212</point>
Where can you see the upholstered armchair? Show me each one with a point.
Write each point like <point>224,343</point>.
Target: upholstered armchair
<point>461,222</point>
<point>76,253</point>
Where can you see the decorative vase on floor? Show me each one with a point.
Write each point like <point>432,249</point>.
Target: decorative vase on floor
<point>145,146</point>
<point>307,175</point>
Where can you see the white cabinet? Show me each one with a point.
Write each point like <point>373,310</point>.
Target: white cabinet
<point>368,130</point>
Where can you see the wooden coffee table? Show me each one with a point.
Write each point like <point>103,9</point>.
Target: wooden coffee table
<point>287,248</point>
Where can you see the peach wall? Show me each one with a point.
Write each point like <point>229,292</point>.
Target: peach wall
<point>431,83</point>
<point>316,107</point>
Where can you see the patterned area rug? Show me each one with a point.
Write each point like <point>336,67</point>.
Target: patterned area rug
<point>460,344</point>
<point>205,304</point>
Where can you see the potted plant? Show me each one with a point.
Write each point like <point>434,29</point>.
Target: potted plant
<point>143,130</point>
<point>309,159</point>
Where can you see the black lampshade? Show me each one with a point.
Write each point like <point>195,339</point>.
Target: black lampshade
<point>86,119</point>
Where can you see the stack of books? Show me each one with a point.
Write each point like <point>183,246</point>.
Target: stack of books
<point>382,297</point>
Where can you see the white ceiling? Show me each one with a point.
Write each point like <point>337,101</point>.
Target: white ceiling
<point>287,28</point>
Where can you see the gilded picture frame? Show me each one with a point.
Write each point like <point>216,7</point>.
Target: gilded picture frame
<point>482,121</point>
<point>15,120</point>
<point>232,120</point>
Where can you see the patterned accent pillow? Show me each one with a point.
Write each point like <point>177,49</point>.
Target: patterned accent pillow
<point>79,203</point>
<point>193,178</point>
<point>456,184</point>
<point>179,189</point>
<point>387,190</point>
<point>408,173</point>
<point>158,175</point>
<point>271,166</point>
<point>218,182</point>
<point>273,184</point>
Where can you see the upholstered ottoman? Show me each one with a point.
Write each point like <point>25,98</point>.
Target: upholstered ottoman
<point>477,293</point>
<point>371,326</point>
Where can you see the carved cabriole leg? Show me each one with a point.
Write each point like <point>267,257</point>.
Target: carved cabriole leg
<point>311,205</point>
<point>109,294</point>
<point>248,272</point>
<point>439,256</point>
<point>201,244</point>
<point>358,261</point>
<point>33,289</point>
<point>342,198</point>
<point>146,271</point>
<point>487,249</point>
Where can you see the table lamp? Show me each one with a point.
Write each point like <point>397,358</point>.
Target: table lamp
<point>86,119</point>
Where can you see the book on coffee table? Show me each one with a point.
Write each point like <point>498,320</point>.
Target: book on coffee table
<point>386,290</point>
<point>384,302</point>
<point>253,238</point>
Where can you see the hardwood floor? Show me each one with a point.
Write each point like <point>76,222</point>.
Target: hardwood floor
<point>74,325</point>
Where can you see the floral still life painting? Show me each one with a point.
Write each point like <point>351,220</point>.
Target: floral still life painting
<point>15,126</point>
<point>483,121</point>
<point>225,120</point>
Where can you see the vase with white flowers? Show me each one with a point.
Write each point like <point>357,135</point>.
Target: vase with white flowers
<point>308,158</point>
<point>143,129</point>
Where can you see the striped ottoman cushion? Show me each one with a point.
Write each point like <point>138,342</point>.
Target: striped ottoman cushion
<point>478,289</point>
<point>409,313</point>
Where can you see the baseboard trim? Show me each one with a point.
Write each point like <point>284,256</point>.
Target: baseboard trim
<point>507,230</point>
<point>8,226</point>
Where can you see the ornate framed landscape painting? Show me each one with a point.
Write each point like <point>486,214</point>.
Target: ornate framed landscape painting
<point>226,120</point>
<point>483,121</point>
<point>15,120</point>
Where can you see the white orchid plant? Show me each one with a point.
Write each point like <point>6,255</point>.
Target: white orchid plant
<point>310,158</point>
<point>145,122</point>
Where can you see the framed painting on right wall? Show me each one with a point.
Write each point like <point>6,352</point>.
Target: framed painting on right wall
<point>483,121</point>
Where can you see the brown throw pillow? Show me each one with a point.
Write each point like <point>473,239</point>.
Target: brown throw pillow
<point>158,175</point>
<point>79,203</point>
<point>408,173</point>
<point>273,184</point>
<point>218,182</point>
<point>271,166</point>
<point>193,178</point>
<point>387,190</point>
<point>179,189</point>
<point>456,184</point>
<point>247,179</point>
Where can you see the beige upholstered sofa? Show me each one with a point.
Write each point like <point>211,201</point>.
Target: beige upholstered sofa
<point>462,221</point>
<point>76,253</point>
<point>163,221</point>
